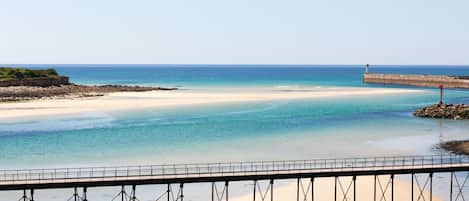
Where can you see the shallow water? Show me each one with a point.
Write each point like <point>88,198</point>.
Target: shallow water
<point>273,130</point>
<point>266,130</point>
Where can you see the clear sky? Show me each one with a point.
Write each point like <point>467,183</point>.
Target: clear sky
<point>235,31</point>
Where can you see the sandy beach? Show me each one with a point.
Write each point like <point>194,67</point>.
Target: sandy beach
<point>155,99</point>
<point>324,190</point>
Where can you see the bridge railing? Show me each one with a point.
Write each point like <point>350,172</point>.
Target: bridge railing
<point>232,168</point>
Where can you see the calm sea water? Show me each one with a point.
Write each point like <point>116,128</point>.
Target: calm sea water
<point>267,130</point>
<point>296,129</point>
<point>190,76</point>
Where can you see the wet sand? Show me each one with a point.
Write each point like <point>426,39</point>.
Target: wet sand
<point>155,99</point>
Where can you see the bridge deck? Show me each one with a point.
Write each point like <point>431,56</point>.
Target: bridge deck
<point>214,172</point>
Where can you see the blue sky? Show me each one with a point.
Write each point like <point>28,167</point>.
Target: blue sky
<point>235,32</point>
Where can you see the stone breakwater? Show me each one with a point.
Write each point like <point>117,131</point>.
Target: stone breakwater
<point>457,111</point>
<point>433,81</point>
<point>18,93</point>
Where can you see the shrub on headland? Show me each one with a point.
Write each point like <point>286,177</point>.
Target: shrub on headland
<point>7,73</point>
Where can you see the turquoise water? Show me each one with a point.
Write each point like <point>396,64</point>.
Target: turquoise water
<point>190,76</point>
<point>293,129</point>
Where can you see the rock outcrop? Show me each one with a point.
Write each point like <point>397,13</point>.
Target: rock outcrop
<point>37,82</point>
<point>18,93</point>
<point>27,84</point>
<point>444,111</point>
<point>457,147</point>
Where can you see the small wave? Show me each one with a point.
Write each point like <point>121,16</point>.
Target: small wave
<point>296,88</point>
<point>271,106</point>
<point>284,87</point>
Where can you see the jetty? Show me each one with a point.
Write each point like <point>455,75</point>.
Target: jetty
<point>434,81</point>
<point>440,110</point>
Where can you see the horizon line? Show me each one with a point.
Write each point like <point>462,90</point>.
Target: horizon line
<point>240,64</point>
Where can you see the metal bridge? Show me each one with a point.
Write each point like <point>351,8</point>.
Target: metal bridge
<point>28,180</point>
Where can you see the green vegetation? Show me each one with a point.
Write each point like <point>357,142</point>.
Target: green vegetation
<point>7,73</point>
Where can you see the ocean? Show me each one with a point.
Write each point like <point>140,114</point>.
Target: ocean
<point>193,76</point>
<point>263,130</point>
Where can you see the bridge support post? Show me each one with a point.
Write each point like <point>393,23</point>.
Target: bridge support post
<point>460,185</point>
<point>226,187</point>
<point>32,195</point>
<point>383,187</point>
<point>263,193</point>
<point>255,184</point>
<point>392,187</point>
<point>305,189</point>
<point>421,186</point>
<point>451,187</point>
<point>412,187</point>
<point>133,196</point>
<point>24,195</point>
<point>312,188</point>
<point>75,194</point>
<point>181,186</point>
<point>219,195</point>
<point>271,190</point>
<point>168,191</point>
<point>298,189</point>
<point>354,178</point>
<point>345,190</point>
<point>374,187</point>
<point>122,193</point>
<point>335,188</point>
<point>84,194</point>
<point>431,186</point>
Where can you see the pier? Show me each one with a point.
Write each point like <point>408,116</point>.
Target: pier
<point>29,180</point>
<point>434,81</point>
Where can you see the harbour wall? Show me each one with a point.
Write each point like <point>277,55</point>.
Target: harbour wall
<point>417,80</point>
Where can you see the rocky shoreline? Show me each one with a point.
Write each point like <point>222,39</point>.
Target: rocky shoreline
<point>444,111</point>
<point>21,93</point>
<point>457,147</point>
